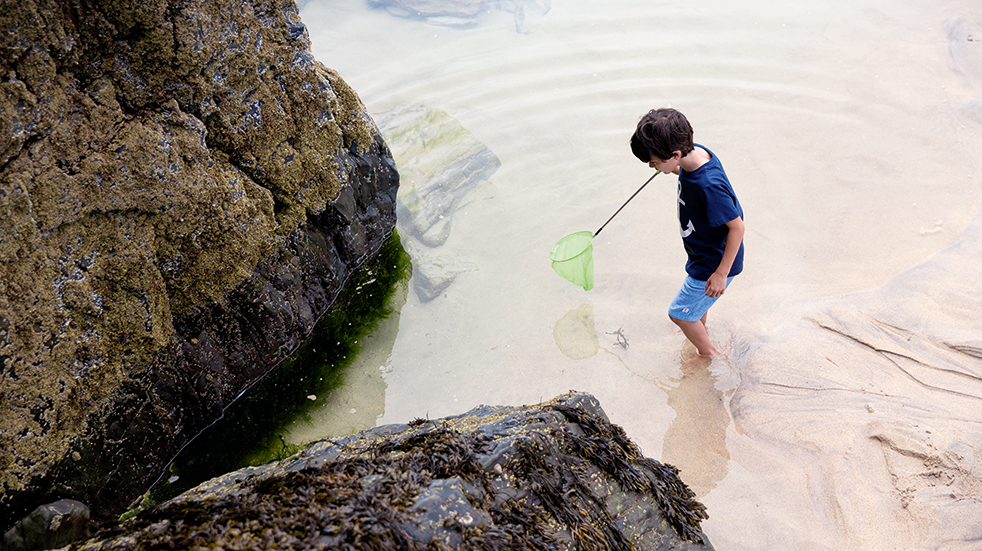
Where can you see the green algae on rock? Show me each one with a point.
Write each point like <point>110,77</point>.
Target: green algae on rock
<point>249,431</point>
<point>556,475</point>
<point>184,190</point>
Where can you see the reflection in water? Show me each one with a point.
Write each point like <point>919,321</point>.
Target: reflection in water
<point>575,333</point>
<point>360,401</point>
<point>695,442</point>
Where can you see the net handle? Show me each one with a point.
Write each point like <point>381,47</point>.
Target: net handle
<point>596,233</point>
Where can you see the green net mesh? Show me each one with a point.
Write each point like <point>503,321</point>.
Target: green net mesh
<point>572,258</point>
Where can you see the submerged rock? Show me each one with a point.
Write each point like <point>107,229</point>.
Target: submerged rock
<point>440,162</point>
<point>49,526</point>
<point>462,13</point>
<point>184,191</point>
<point>431,8</point>
<point>434,273</point>
<point>557,475</point>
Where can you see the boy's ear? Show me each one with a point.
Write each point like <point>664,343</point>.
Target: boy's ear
<point>677,155</point>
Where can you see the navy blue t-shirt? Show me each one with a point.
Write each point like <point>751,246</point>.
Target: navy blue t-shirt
<point>706,203</point>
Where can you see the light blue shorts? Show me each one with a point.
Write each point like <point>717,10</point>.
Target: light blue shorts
<point>691,303</point>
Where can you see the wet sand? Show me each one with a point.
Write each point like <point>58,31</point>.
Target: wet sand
<point>876,397</point>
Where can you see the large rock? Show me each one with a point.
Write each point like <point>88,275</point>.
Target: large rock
<point>183,190</point>
<point>50,526</point>
<point>557,475</point>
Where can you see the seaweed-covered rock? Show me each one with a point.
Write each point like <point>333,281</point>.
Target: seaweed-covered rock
<point>183,190</point>
<point>556,475</point>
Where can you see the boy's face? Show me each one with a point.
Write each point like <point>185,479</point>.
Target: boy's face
<point>670,165</point>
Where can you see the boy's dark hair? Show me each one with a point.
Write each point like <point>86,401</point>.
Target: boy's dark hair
<point>660,133</point>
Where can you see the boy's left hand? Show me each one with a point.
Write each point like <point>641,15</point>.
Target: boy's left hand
<point>715,285</point>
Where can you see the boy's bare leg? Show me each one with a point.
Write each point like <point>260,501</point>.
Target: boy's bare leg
<point>696,332</point>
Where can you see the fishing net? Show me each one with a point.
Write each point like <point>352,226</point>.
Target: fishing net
<point>572,258</point>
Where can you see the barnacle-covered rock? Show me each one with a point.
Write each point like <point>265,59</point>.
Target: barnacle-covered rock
<point>557,475</point>
<point>183,190</point>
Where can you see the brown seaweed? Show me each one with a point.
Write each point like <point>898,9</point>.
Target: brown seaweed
<point>607,447</point>
<point>537,483</point>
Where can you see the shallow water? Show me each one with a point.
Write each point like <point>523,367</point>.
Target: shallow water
<point>849,130</point>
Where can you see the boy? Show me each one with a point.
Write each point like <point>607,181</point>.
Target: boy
<point>710,218</point>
